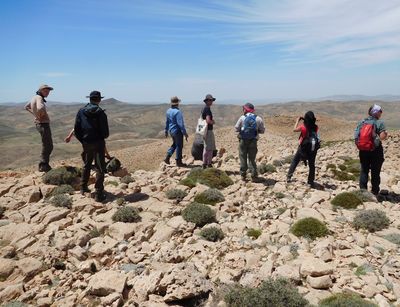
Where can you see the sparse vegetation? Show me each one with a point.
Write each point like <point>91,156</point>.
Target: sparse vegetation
<point>363,269</point>
<point>211,177</point>
<point>126,215</point>
<point>212,234</point>
<point>285,160</point>
<point>346,200</point>
<point>393,237</point>
<point>127,179</point>
<point>209,197</point>
<point>364,195</point>
<point>254,233</point>
<point>62,175</point>
<point>95,232</point>
<point>280,195</point>
<point>345,300</point>
<point>348,171</point>
<point>371,220</point>
<point>120,201</point>
<point>62,189</point>
<point>198,214</point>
<point>331,166</point>
<point>271,293</point>
<point>266,168</point>
<point>112,182</point>
<point>61,200</point>
<point>177,194</point>
<point>294,247</point>
<point>309,228</point>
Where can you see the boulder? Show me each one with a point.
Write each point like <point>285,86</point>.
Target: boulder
<point>121,231</point>
<point>315,267</point>
<point>322,282</point>
<point>107,282</point>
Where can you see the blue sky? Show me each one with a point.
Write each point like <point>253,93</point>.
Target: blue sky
<point>148,51</point>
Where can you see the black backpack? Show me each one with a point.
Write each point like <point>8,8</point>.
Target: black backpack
<point>310,144</point>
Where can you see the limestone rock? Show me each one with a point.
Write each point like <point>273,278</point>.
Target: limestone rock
<point>107,282</point>
<point>315,267</point>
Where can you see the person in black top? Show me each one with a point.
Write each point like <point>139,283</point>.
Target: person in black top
<point>91,129</point>
<point>209,140</point>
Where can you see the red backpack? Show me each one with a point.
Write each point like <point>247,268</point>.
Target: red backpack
<point>365,140</point>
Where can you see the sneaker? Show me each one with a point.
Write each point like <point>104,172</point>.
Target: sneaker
<point>100,197</point>
<point>179,163</point>
<point>84,190</point>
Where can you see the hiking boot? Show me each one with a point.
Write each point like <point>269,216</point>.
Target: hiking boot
<point>204,166</point>
<point>209,166</point>
<point>167,159</point>
<point>100,197</point>
<point>44,168</point>
<point>84,190</point>
<point>179,163</point>
<point>289,180</point>
<point>311,185</point>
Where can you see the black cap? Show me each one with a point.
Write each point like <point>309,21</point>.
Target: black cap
<point>95,94</point>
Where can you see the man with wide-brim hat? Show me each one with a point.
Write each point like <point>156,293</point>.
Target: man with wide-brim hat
<point>91,129</point>
<point>37,106</point>
<point>209,139</point>
<point>175,126</point>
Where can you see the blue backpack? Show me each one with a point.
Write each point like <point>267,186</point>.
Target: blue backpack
<point>249,128</point>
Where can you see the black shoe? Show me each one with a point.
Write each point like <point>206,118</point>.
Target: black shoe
<point>100,197</point>
<point>44,168</point>
<point>255,179</point>
<point>204,166</point>
<point>167,159</point>
<point>84,190</point>
<point>311,185</point>
<point>209,166</point>
<point>179,163</point>
<point>289,180</point>
<point>244,177</point>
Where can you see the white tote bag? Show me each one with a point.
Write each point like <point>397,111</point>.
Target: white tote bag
<point>201,128</point>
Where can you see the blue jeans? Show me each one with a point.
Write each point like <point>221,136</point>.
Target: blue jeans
<point>176,145</point>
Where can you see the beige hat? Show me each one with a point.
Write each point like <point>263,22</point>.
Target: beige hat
<point>45,86</point>
<point>175,101</point>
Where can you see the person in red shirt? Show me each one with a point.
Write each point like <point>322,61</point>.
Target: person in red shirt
<point>307,128</point>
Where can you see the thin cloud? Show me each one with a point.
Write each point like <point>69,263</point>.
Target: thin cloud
<point>350,31</point>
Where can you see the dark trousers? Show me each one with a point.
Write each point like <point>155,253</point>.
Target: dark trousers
<point>94,152</point>
<point>47,143</point>
<point>311,164</point>
<point>177,145</point>
<point>247,155</point>
<point>371,160</point>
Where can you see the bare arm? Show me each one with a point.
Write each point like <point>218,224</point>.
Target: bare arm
<point>296,127</point>
<point>69,136</point>
<point>209,120</point>
<point>383,135</point>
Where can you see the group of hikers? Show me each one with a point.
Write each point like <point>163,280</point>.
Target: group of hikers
<point>91,130</point>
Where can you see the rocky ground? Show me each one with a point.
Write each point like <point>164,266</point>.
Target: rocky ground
<point>52,256</point>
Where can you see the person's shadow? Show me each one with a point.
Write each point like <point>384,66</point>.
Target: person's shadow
<point>385,195</point>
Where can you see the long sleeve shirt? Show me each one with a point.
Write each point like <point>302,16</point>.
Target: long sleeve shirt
<point>174,121</point>
<point>259,122</point>
<point>37,106</point>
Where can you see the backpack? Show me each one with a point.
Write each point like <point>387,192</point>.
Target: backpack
<point>310,144</point>
<point>249,128</point>
<point>365,135</point>
<point>113,165</point>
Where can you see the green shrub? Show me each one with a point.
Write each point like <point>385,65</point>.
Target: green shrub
<point>393,237</point>
<point>127,179</point>
<point>95,232</point>
<point>331,166</point>
<point>280,195</point>
<point>346,200</point>
<point>254,233</point>
<point>210,197</point>
<point>271,293</point>
<point>212,234</point>
<point>310,228</point>
<point>211,177</point>
<point>112,182</point>
<point>363,269</point>
<point>176,194</point>
<point>342,167</point>
<point>120,201</point>
<point>189,182</point>
<point>371,220</point>
<point>364,195</point>
<point>61,200</point>
<point>62,175</point>
<point>2,210</point>
<point>199,214</point>
<point>343,176</point>
<point>345,300</point>
<point>126,215</point>
<point>62,189</point>
<point>266,168</point>
<point>285,160</point>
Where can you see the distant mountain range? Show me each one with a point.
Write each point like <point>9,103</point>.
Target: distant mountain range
<point>341,98</point>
